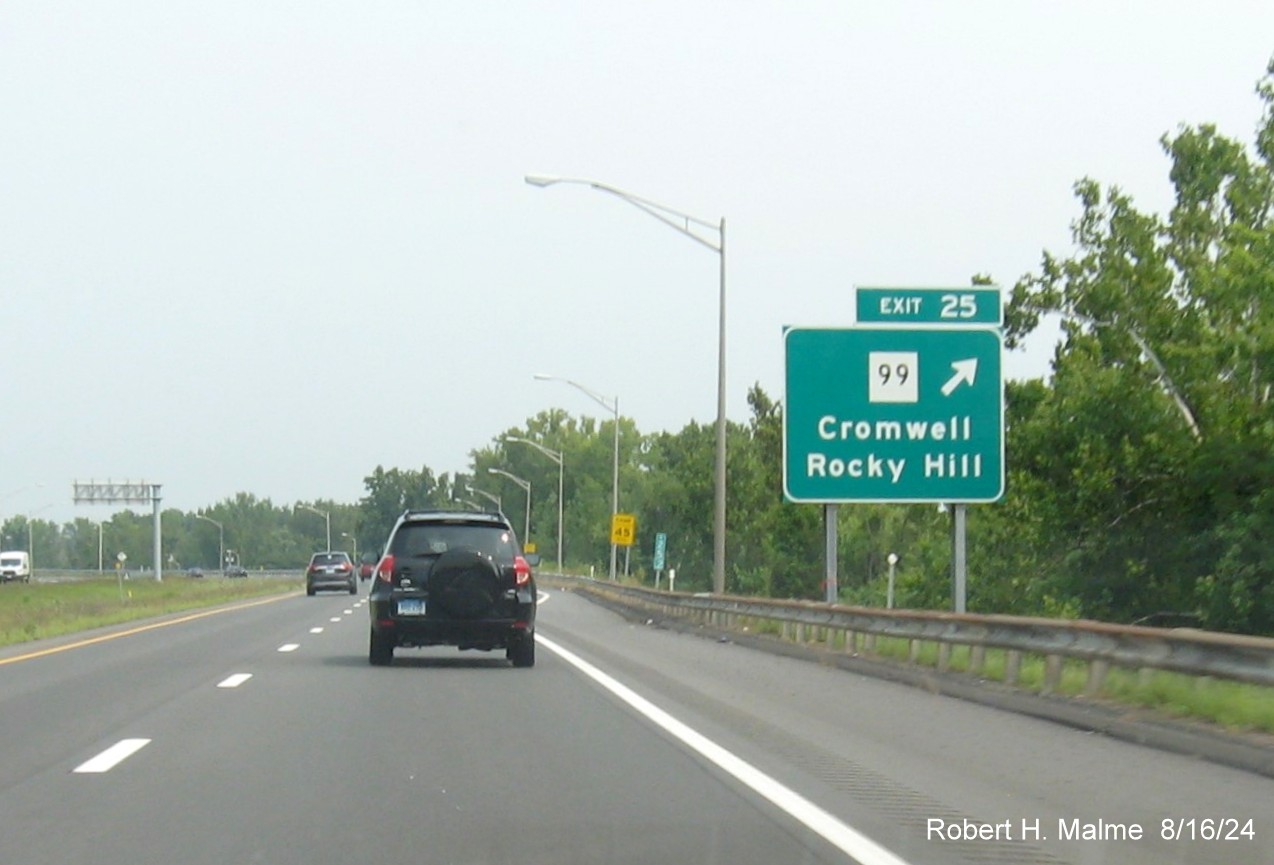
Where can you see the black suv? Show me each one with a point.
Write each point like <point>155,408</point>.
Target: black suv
<point>331,571</point>
<point>453,578</point>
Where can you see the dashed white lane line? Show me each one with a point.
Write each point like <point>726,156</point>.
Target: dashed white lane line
<point>334,619</point>
<point>289,647</point>
<point>316,630</point>
<point>111,757</point>
<point>349,612</point>
<point>234,681</point>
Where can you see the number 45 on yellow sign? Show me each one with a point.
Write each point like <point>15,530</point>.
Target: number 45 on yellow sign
<point>623,529</point>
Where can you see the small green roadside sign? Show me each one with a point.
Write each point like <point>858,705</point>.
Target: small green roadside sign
<point>893,415</point>
<point>979,306</point>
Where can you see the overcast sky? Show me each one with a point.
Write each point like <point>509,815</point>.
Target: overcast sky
<point>267,246</point>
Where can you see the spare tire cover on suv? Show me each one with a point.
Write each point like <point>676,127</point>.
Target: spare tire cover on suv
<point>464,583</point>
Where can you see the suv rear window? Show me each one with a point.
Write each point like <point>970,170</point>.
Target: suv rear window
<point>329,559</point>
<point>434,539</point>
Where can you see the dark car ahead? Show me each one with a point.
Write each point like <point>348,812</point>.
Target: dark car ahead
<point>453,578</point>
<point>234,571</point>
<point>331,571</point>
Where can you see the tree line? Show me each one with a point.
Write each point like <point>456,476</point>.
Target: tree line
<point>1140,475</point>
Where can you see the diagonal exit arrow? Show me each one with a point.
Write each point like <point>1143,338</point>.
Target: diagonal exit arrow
<point>965,371</point>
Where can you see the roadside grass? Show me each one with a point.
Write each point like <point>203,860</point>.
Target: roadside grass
<point>35,611</point>
<point>1236,706</point>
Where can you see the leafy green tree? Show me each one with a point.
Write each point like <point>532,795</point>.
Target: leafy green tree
<point>1150,454</point>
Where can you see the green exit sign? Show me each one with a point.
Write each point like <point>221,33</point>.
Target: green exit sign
<point>963,307</point>
<point>893,415</point>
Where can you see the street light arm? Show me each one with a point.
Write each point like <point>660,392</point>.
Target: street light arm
<point>556,456</point>
<point>611,406</point>
<point>14,492</point>
<point>209,519</point>
<point>671,217</point>
<point>524,484</point>
<point>495,500</point>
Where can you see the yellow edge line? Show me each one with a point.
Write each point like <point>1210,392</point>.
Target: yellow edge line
<point>151,627</point>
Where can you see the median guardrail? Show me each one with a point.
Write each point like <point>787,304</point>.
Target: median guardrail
<point>59,575</point>
<point>1100,645</point>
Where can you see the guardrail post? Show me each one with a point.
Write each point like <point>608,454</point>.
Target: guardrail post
<point>869,644</point>
<point>1052,673</point>
<point>944,657</point>
<point>913,653</point>
<point>1012,666</point>
<point>977,659</point>
<point>851,642</point>
<point>1096,677</point>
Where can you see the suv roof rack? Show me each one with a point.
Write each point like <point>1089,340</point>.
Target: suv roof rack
<point>464,512</point>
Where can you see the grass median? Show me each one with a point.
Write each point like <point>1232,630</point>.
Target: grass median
<point>35,611</point>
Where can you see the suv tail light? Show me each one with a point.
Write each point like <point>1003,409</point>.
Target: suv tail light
<point>385,570</point>
<point>521,571</point>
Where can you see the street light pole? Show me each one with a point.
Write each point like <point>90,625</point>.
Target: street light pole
<point>355,540</point>
<point>327,519</point>
<point>31,536</point>
<point>683,223</point>
<point>526,485</point>
<point>557,457</point>
<point>612,406</point>
<point>221,544</point>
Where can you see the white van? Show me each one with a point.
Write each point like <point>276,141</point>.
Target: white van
<point>15,566</point>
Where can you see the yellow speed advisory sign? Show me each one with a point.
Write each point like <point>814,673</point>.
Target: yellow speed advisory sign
<point>623,530</point>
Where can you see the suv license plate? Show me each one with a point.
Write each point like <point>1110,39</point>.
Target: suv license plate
<point>411,607</point>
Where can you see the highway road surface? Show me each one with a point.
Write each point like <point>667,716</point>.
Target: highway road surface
<point>260,734</point>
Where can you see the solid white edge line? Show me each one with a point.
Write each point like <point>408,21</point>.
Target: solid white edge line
<point>234,681</point>
<point>111,757</point>
<point>850,841</point>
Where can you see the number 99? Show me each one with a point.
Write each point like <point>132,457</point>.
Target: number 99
<point>887,373</point>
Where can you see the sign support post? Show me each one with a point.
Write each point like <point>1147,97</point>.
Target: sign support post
<point>959,565</point>
<point>830,534</point>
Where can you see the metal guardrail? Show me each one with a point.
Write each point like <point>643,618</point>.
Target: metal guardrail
<point>55,575</point>
<point>1101,645</point>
